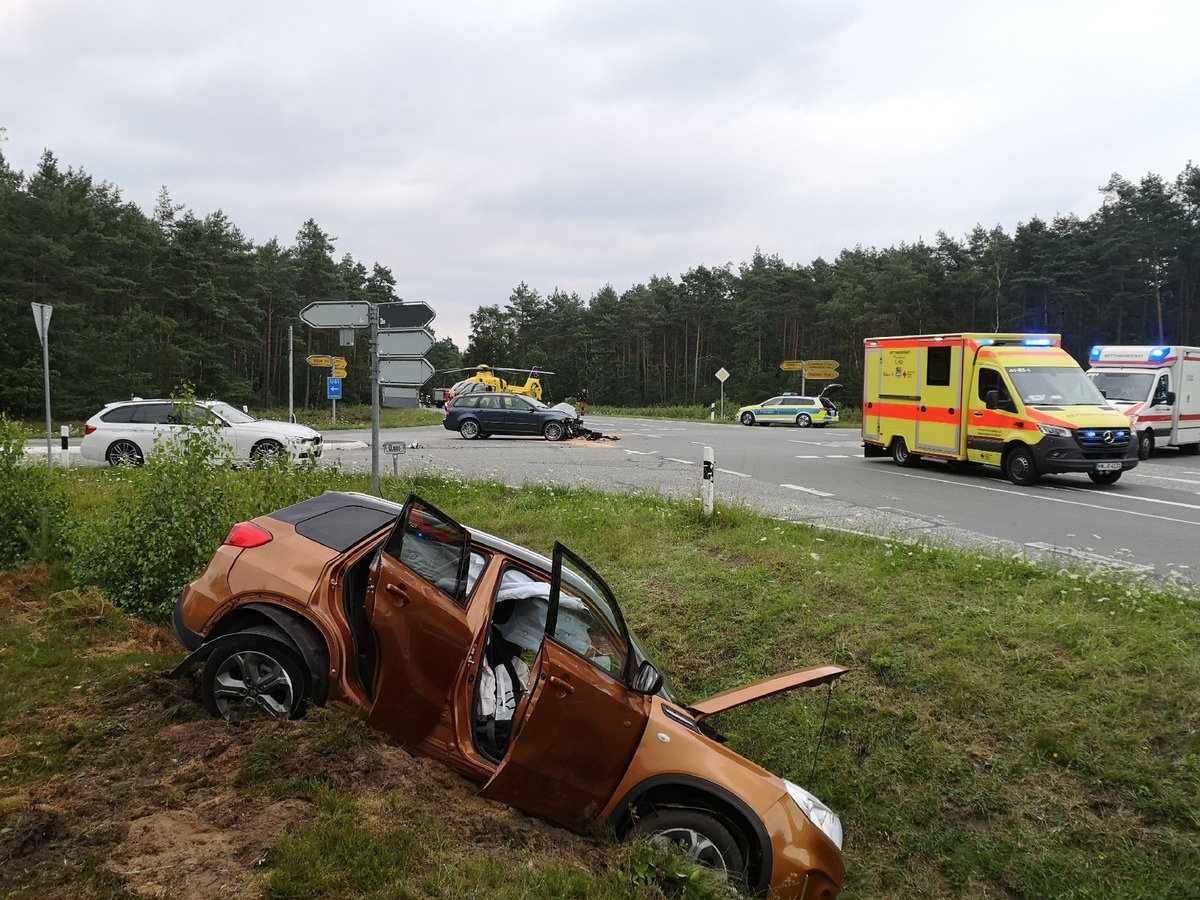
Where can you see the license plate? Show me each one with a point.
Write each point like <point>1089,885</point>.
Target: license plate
<point>1108,467</point>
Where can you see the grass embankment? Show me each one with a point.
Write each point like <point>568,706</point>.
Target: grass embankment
<point>1006,730</point>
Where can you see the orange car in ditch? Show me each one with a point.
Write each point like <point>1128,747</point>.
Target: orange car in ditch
<point>514,669</point>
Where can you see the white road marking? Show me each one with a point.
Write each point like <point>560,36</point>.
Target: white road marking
<point>811,456</point>
<point>731,472</point>
<point>1045,499</point>
<point>796,487</point>
<point>640,452</point>
<point>686,462</point>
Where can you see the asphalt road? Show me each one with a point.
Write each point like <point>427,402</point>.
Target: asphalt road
<point>1148,524</point>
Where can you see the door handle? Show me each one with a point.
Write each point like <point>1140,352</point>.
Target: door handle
<point>398,591</point>
<point>562,684</point>
<point>977,414</point>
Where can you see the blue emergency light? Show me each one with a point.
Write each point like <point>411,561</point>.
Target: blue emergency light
<point>1158,353</point>
<point>1094,356</point>
<point>1038,342</point>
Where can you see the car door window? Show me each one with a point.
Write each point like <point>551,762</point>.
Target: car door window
<point>584,616</point>
<point>155,414</point>
<point>516,404</point>
<point>434,546</point>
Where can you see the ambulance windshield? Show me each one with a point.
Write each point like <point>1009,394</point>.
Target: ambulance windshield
<point>1125,387</point>
<point>1054,386</point>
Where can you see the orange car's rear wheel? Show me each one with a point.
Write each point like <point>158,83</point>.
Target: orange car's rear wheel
<point>255,673</point>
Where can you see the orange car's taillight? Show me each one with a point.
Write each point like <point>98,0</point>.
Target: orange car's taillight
<point>247,534</point>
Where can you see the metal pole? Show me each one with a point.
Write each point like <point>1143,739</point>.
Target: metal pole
<point>373,318</point>
<point>46,380</point>
<point>291,380</point>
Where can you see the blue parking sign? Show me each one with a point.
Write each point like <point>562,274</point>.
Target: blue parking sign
<point>333,388</point>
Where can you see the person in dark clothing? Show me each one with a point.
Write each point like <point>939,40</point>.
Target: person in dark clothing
<point>583,400</point>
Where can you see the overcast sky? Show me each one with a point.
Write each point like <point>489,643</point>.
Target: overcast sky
<point>469,146</point>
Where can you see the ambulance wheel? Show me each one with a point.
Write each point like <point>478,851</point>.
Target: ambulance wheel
<point>1019,467</point>
<point>747,418</point>
<point>901,456</point>
<point>804,420</point>
<point>1145,445</point>
<point>1104,477</point>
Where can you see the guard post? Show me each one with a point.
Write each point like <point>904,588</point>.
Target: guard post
<point>65,432</point>
<point>706,486</point>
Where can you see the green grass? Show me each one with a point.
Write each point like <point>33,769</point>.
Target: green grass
<point>1006,729</point>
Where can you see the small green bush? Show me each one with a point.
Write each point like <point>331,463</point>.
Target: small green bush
<point>33,506</point>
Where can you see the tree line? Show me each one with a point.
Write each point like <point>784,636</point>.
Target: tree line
<point>1126,274</point>
<point>146,303</point>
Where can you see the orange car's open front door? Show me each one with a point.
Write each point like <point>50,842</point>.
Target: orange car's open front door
<point>580,723</point>
<point>415,606</point>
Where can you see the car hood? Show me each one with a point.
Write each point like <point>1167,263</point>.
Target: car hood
<point>768,687</point>
<point>285,429</point>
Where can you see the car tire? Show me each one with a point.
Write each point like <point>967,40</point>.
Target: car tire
<point>469,429</point>
<point>1146,444</point>
<point>902,456</point>
<point>124,453</point>
<point>266,451</point>
<point>747,418</point>
<point>1105,477</point>
<point>1019,467</point>
<point>554,431</point>
<point>804,420</point>
<point>255,673</point>
<point>702,838</point>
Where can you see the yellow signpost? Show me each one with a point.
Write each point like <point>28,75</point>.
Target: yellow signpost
<point>792,365</point>
<point>320,360</point>
<point>339,372</point>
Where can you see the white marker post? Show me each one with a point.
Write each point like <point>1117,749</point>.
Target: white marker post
<point>65,433</point>
<point>706,486</point>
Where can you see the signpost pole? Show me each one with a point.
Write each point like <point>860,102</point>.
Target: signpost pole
<point>41,315</point>
<point>373,316</point>
<point>291,379</point>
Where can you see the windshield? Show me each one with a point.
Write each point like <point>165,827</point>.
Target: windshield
<point>1054,386</point>
<point>1129,387</point>
<point>232,414</point>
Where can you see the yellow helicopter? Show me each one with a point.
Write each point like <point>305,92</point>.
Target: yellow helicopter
<point>485,378</point>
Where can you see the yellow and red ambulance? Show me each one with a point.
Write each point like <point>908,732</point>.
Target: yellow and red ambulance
<point>1016,401</point>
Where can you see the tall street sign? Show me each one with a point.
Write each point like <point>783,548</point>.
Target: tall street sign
<point>410,342</point>
<point>405,372</point>
<point>330,314</point>
<point>404,315</point>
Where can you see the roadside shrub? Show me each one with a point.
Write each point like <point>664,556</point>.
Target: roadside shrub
<point>173,513</point>
<point>33,506</point>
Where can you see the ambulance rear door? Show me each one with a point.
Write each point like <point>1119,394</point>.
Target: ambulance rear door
<point>939,411</point>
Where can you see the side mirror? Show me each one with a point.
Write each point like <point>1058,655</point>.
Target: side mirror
<point>648,679</point>
<point>1169,399</point>
<point>992,399</point>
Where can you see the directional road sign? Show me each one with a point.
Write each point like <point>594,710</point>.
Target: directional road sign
<point>338,371</point>
<point>405,371</point>
<point>821,364</point>
<point>409,342</point>
<point>792,365</point>
<point>404,315</point>
<point>330,314</point>
<point>320,360</point>
<point>333,388</point>
<point>401,398</point>
<point>821,374</point>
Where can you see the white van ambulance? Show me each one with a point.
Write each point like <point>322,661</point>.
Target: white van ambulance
<point>1017,401</point>
<point>1158,388</point>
